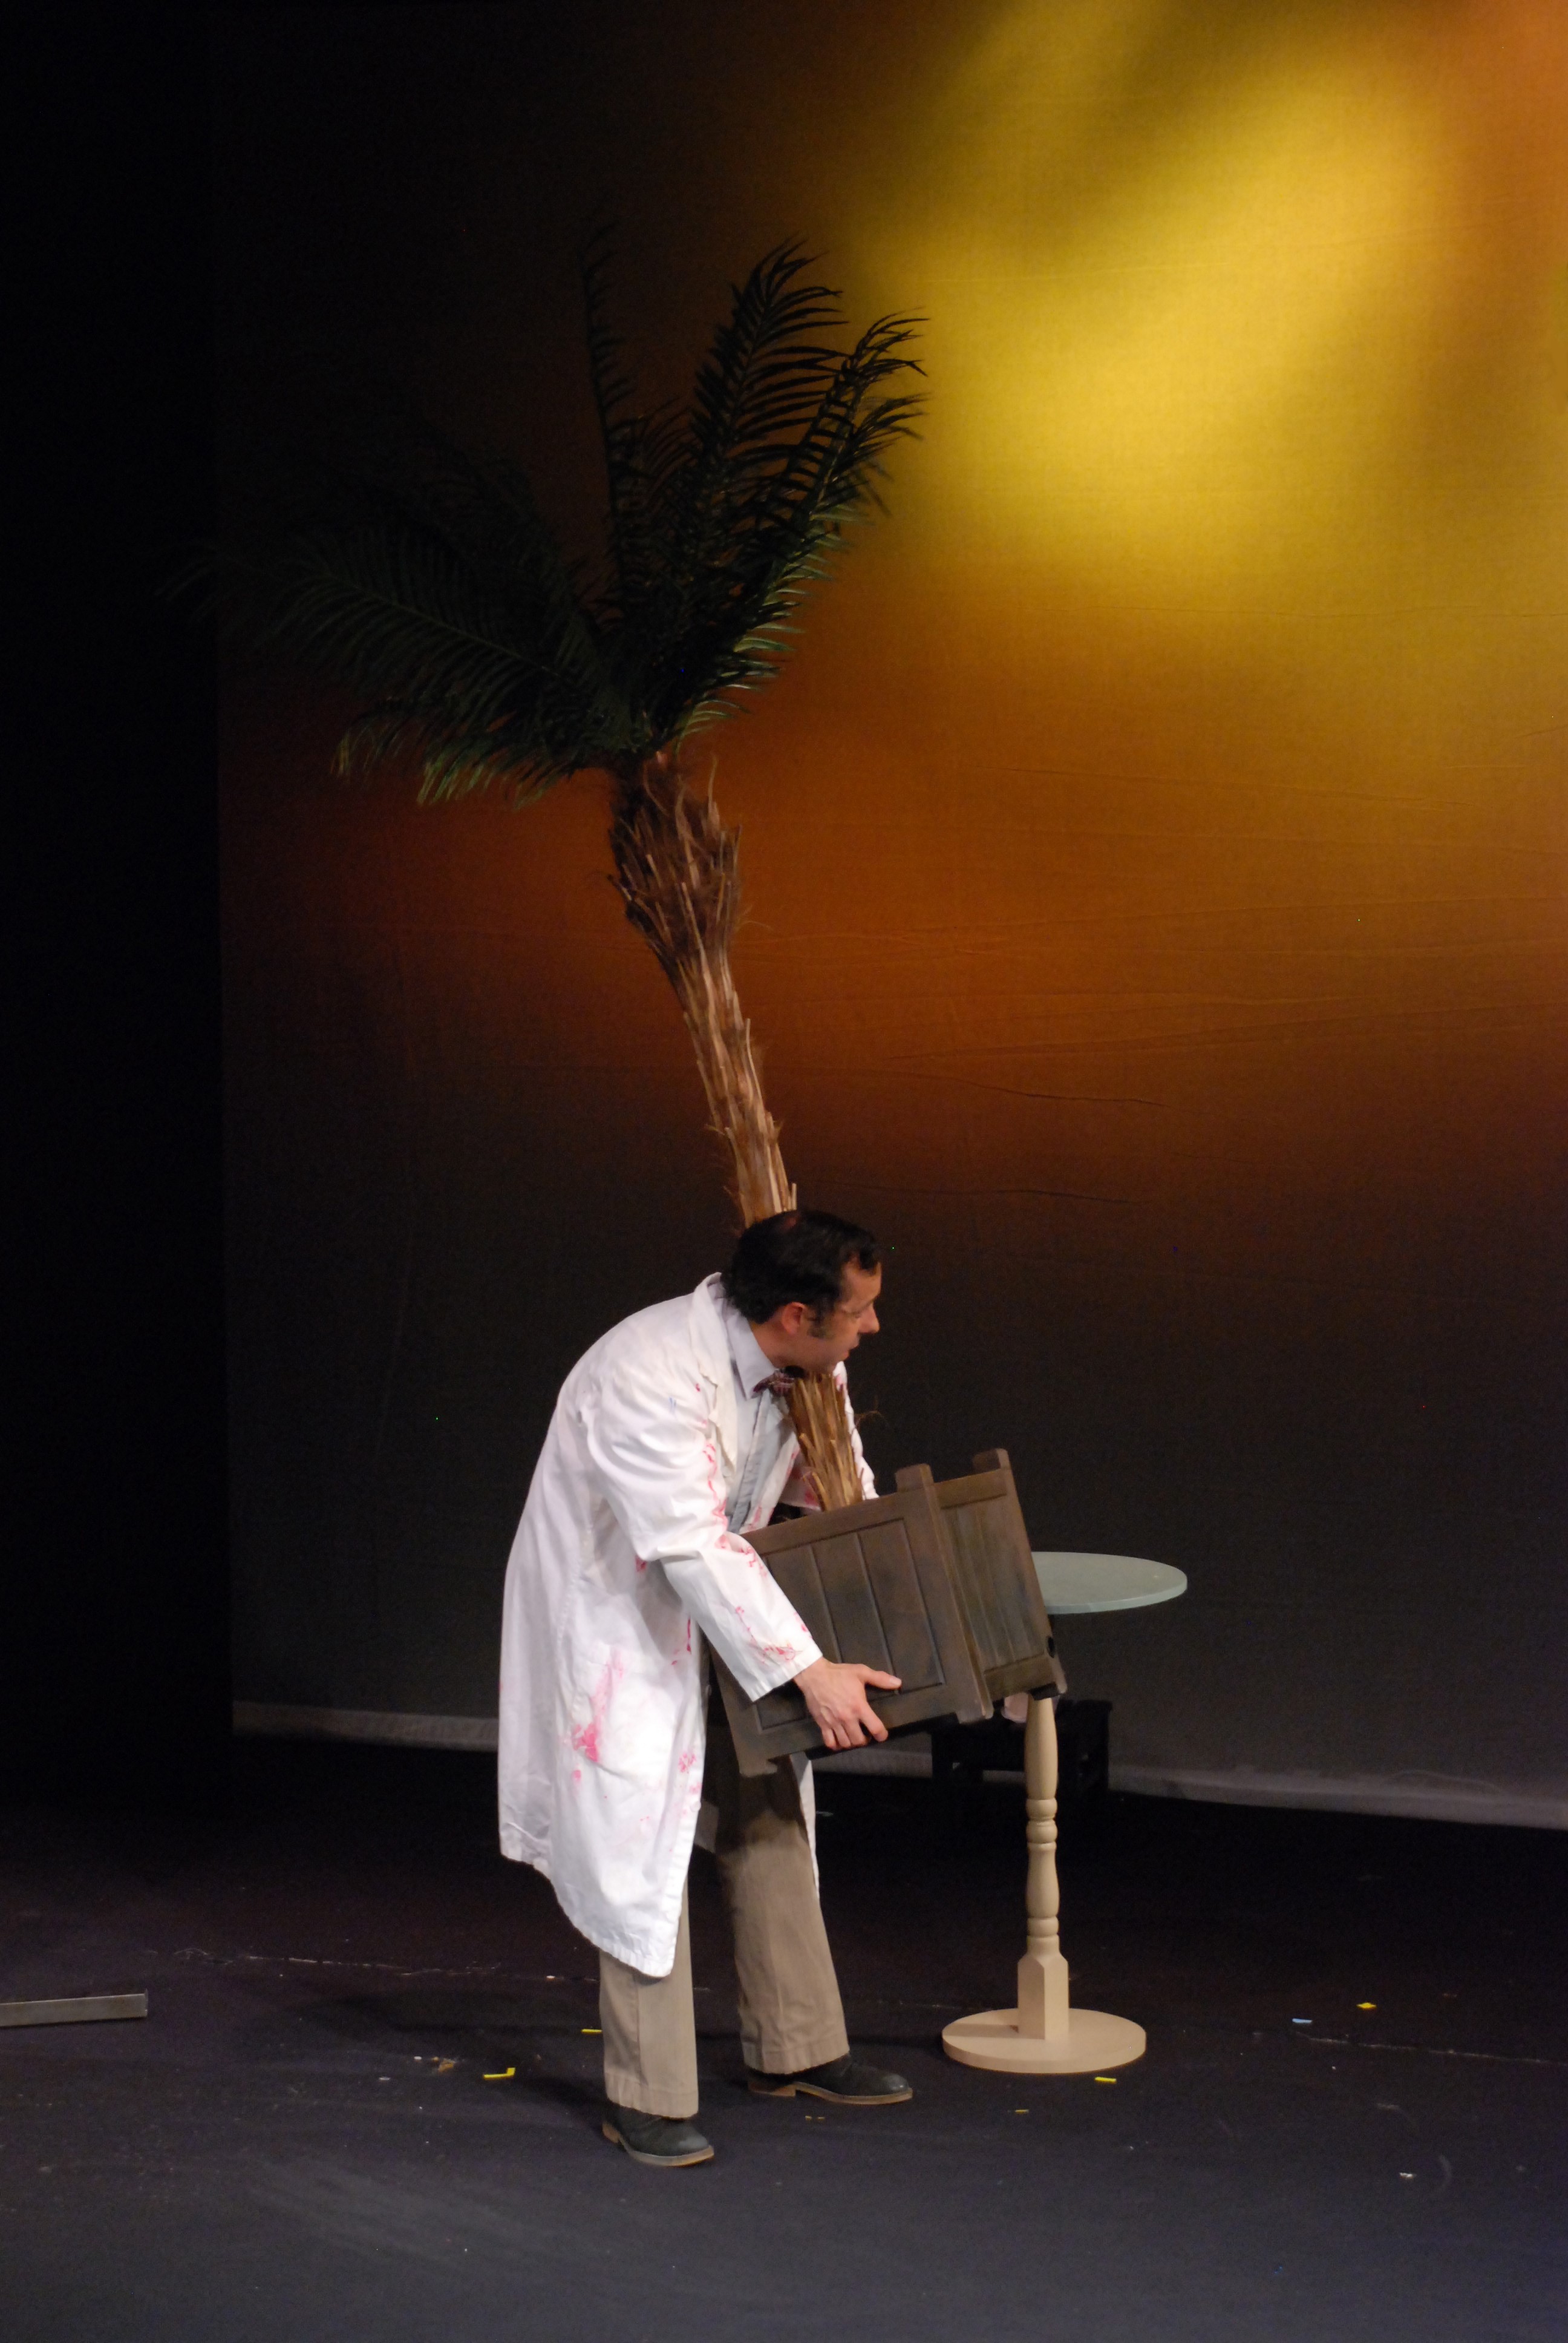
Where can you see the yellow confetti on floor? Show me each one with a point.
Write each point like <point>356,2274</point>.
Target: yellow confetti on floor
<point>504,2076</point>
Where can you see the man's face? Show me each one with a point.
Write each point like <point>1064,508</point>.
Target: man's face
<point>793,1338</point>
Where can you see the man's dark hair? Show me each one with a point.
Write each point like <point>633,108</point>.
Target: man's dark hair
<point>796,1257</point>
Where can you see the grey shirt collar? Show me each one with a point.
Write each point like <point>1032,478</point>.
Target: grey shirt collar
<point>752,1365</point>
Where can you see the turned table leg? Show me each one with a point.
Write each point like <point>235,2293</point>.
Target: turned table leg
<point>1042,1997</point>
<point>1044,2034</point>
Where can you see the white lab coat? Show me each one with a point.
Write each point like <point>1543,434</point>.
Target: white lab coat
<point>625,1559</point>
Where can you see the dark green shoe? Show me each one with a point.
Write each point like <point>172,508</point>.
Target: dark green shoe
<point>847,2080</point>
<point>656,2139</point>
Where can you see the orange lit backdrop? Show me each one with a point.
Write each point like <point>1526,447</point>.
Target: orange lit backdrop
<point>1155,854</point>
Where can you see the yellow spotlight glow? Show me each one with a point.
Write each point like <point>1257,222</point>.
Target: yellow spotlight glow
<point>1138,382</point>
<point>1201,332</point>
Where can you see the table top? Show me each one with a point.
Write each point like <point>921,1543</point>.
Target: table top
<point>1105,1581</point>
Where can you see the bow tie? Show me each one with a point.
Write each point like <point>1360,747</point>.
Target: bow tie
<point>780,1386</point>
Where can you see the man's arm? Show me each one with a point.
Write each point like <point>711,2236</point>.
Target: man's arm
<point>652,1442</point>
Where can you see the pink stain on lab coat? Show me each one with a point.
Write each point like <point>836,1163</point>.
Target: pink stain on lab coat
<point>765,1651</point>
<point>585,1738</point>
<point>710,1457</point>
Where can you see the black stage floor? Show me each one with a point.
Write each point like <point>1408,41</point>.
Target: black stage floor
<point>306,2139</point>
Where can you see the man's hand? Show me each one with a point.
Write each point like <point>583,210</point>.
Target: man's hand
<point>836,1697</point>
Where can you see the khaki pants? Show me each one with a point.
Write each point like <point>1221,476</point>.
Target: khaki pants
<point>790,2013</point>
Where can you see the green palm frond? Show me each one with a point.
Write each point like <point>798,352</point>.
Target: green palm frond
<point>425,577</point>
<point>742,618</point>
<point>742,509</point>
<point>429,583</point>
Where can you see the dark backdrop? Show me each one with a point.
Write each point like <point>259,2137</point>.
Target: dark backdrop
<point>115,1649</point>
<point>1155,854</point>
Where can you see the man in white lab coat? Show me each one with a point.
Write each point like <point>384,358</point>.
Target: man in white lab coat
<point>670,1438</point>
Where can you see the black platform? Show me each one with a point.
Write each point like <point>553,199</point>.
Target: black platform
<point>301,2141</point>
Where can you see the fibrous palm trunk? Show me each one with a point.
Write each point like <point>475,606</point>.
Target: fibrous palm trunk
<point>677,869</point>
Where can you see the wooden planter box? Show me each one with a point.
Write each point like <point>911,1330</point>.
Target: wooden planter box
<point>935,1585</point>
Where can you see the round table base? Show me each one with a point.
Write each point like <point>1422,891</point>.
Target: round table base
<point>1093,2039</point>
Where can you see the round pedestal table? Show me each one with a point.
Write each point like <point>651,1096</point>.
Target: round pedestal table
<point>1045,2035</point>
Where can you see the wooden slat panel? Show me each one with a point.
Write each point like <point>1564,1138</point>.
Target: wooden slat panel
<point>973,1535</point>
<point>893,1573</point>
<point>837,1572</point>
<point>874,1584</point>
<point>841,1565</point>
<point>997,1581</point>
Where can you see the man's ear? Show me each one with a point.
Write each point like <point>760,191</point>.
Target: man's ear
<point>792,1316</point>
